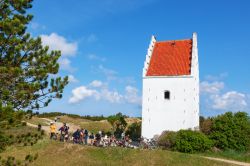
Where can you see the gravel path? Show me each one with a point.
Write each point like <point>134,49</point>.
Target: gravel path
<point>228,161</point>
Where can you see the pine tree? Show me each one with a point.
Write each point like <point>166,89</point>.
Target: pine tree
<point>26,66</point>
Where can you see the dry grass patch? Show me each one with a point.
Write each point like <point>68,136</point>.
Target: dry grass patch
<point>35,120</point>
<point>92,126</point>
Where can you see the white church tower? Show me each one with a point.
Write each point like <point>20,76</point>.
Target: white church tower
<point>170,87</point>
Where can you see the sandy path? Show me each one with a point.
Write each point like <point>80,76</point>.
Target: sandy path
<point>72,127</point>
<point>228,161</point>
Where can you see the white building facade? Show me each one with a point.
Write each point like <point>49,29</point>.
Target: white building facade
<point>170,87</point>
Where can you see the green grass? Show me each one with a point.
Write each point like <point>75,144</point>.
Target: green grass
<point>230,154</point>
<point>56,153</point>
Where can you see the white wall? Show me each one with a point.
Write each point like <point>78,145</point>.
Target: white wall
<point>182,110</point>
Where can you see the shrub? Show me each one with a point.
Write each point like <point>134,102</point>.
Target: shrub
<point>191,141</point>
<point>134,131</point>
<point>167,139</point>
<point>24,124</point>
<point>28,134</point>
<point>27,157</point>
<point>118,124</point>
<point>35,156</point>
<point>231,131</point>
<point>10,161</point>
<point>206,125</point>
<point>42,132</point>
<point>3,142</point>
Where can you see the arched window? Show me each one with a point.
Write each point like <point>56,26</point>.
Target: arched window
<point>167,95</point>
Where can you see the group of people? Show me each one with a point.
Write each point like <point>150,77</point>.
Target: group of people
<point>100,139</point>
<point>82,136</point>
<point>64,132</point>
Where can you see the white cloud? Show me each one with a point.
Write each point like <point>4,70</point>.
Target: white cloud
<point>216,78</point>
<point>65,64</point>
<point>81,93</point>
<point>97,58</point>
<point>211,87</point>
<point>96,84</point>
<point>131,95</point>
<point>109,73</point>
<point>230,101</point>
<point>98,91</point>
<point>72,79</point>
<point>111,96</point>
<point>216,98</point>
<point>57,42</point>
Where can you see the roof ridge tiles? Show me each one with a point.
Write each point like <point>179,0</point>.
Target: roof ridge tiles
<point>163,41</point>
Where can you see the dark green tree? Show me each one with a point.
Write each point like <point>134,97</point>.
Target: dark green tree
<point>26,66</point>
<point>118,123</point>
<point>231,131</point>
<point>134,131</point>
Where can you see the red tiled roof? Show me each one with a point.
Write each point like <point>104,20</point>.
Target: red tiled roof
<point>171,58</point>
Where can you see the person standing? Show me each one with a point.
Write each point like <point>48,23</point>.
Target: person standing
<point>64,131</point>
<point>52,130</point>
<point>76,136</point>
<point>123,136</point>
<point>86,135</point>
<point>39,127</point>
<point>91,137</point>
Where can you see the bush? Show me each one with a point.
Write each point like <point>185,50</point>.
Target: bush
<point>11,161</point>
<point>231,131</point>
<point>118,124</point>
<point>9,117</point>
<point>35,156</point>
<point>191,141</point>
<point>4,140</point>
<point>42,132</point>
<point>167,139</point>
<point>24,124</point>
<point>134,131</point>
<point>206,125</point>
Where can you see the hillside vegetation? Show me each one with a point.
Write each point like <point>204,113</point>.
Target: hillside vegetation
<point>56,153</point>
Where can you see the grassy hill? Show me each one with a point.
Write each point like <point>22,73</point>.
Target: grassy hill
<point>56,153</point>
<point>91,125</point>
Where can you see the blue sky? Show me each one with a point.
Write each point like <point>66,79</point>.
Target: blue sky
<point>104,43</point>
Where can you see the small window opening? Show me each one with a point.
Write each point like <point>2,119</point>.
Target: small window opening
<point>167,95</point>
